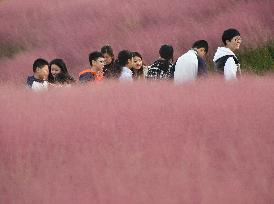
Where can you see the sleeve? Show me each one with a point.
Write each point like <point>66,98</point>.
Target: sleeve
<point>126,76</point>
<point>230,69</point>
<point>86,77</point>
<point>29,82</point>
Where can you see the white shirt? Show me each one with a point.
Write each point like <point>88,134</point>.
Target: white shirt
<point>126,74</point>
<point>36,86</point>
<point>186,68</point>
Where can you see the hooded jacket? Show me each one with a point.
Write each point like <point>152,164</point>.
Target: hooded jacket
<point>227,63</point>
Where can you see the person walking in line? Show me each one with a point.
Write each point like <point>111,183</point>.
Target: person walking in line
<point>225,60</point>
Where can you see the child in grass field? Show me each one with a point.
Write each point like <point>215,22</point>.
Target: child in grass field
<point>38,81</point>
<point>225,59</point>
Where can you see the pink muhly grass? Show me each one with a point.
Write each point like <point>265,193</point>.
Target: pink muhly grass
<point>70,30</point>
<point>211,142</point>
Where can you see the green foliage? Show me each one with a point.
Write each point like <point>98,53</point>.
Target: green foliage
<point>9,49</point>
<point>258,60</point>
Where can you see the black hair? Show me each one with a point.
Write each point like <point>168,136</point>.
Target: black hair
<point>229,34</point>
<point>107,49</point>
<point>94,56</point>
<point>137,54</point>
<point>120,62</point>
<point>109,69</point>
<point>166,52</point>
<point>39,63</point>
<point>201,44</point>
<point>138,72</point>
<point>63,76</point>
<point>123,57</point>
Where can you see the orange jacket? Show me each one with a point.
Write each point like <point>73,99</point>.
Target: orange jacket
<point>88,75</point>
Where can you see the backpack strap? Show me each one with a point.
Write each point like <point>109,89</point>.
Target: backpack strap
<point>220,63</point>
<point>202,67</point>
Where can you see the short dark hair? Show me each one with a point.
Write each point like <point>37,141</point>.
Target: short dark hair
<point>166,52</point>
<point>201,44</point>
<point>39,63</point>
<point>124,56</point>
<point>94,56</point>
<point>229,34</point>
<point>107,49</point>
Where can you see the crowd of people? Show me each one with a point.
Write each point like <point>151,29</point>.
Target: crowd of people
<point>129,66</point>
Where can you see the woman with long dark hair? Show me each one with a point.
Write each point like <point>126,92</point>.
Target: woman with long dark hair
<point>58,73</point>
<point>109,68</point>
<point>123,65</point>
<point>139,69</point>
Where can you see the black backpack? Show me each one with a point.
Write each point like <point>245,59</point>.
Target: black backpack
<point>220,63</point>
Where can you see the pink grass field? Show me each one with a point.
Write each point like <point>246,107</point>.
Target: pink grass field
<point>210,142</point>
<point>70,30</point>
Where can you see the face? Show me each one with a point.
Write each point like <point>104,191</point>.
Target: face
<point>43,72</point>
<point>55,70</point>
<point>130,63</point>
<point>201,52</point>
<point>235,43</point>
<point>108,58</point>
<point>99,64</point>
<point>137,63</point>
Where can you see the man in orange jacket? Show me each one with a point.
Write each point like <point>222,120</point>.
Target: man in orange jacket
<point>95,72</point>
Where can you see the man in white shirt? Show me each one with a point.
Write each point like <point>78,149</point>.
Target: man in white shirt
<point>191,64</point>
<point>225,60</point>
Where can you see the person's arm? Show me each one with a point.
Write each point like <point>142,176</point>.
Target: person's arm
<point>86,77</point>
<point>230,69</point>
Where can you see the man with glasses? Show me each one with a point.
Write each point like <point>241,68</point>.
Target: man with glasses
<point>225,60</point>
